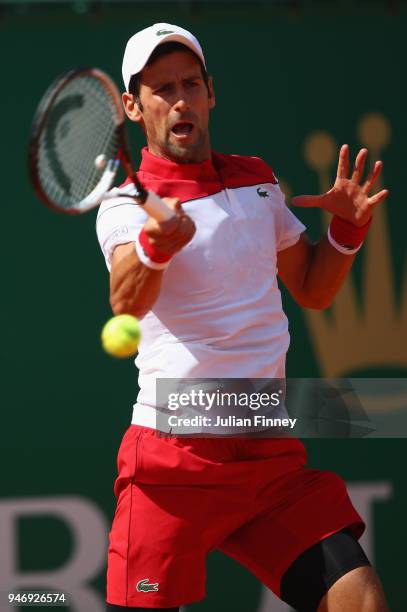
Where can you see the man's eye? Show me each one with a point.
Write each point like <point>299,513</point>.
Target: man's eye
<point>163,89</point>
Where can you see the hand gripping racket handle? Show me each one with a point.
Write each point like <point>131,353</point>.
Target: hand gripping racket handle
<point>157,208</point>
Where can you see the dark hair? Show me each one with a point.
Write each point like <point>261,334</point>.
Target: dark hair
<point>163,49</point>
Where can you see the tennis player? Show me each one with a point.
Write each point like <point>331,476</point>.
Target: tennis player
<point>205,286</point>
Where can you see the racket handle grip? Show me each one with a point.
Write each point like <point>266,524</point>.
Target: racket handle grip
<point>157,208</point>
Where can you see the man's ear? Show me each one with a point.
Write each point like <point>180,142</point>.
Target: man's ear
<point>211,93</point>
<point>131,107</point>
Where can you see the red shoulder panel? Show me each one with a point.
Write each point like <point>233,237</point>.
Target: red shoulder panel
<point>242,171</point>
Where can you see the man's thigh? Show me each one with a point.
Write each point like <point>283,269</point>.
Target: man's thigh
<point>301,509</point>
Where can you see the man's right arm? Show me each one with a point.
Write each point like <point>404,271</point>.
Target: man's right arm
<point>134,287</point>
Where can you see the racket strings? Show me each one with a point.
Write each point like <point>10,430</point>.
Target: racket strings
<point>105,140</point>
<point>80,126</point>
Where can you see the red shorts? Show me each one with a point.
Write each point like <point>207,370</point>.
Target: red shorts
<point>180,498</point>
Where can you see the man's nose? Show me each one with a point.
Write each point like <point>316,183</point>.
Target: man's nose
<point>182,102</point>
<point>181,105</point>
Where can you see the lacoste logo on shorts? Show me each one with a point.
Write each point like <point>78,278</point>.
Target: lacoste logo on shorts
<point>262,194</point>
<point>145,587</point>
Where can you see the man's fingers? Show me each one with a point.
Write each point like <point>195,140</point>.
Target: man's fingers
<point>178,208</point>
<point>372,178</point>
<point>378,198</point>
<point>187,229</point>
<point>174,203</point>
<point>343,163</point>
<point>163,230</point>
<point>306,201</point>
<point>170,236</point>
<point>359,165</point>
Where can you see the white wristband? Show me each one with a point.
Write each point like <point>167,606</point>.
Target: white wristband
<point>149,263</point>
<point>339,247</point>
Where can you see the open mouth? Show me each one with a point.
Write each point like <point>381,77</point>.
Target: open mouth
<point>182,129</point>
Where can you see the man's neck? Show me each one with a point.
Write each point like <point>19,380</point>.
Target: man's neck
<point>196,158</point>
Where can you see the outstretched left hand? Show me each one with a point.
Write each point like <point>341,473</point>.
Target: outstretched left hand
<point>349,198</point>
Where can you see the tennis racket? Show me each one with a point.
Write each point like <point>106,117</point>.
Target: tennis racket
<point>78,141</point>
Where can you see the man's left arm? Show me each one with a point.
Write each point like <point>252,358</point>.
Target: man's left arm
<point>313,273</point>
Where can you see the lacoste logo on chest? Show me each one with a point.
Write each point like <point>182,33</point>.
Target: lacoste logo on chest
<point>261,193</point>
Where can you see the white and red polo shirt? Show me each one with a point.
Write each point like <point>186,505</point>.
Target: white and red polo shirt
<point>219,311</point>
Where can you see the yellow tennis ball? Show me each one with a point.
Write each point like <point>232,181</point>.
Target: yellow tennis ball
<point>121,336</point>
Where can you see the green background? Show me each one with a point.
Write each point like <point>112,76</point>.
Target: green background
<point>279,76</point>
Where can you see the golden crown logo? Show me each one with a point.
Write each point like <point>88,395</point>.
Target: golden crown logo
<point>355,336</point>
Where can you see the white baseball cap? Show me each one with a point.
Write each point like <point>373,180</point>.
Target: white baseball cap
<point>140,46</point>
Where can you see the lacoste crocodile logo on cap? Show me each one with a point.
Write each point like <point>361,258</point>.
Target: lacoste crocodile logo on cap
<point>163,32</point>
<point>145,587</point>
<point>262,194</point>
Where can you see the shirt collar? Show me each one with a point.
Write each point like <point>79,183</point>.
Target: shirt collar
<point>165,169</point>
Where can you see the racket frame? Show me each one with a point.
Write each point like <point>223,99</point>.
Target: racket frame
<point>123,155</point>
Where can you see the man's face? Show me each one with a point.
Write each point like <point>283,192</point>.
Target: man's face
<point>175,105</point>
